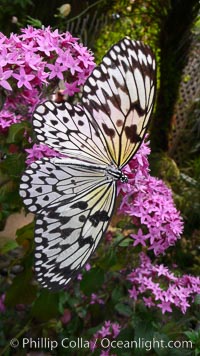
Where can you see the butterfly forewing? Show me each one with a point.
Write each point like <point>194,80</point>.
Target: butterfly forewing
<point>119,95</point>
<point>68,130</point>
<point>73,198</point>
<point>117,102</point>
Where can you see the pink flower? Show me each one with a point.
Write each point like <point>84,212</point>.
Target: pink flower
<point>105,330</point>
<point>65,319</point>
<point>87,266</point>
<point>45,45</point>
<point>7,118</point>
<point>148,302</point>
<point>115,329</point>
<point>38,152</point>
<point>56,70</point>
<point>4,75</point>
<point>165,306</point>
<point>139,238</point>
<point>79,277</point>
<point>105,353</point>
<point>71,88</point>
<point>24,79</point>
<point>96,300</point>
<point>109,330</point>
<point>133,293</point>
<point>84,56</point>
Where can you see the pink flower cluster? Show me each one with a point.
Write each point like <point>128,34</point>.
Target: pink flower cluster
<point>95,299</point>
<point>150,204</point>
<point>38,152</point>
<point>161,288</point>
<point>31,66</point>
<point>109,330</point>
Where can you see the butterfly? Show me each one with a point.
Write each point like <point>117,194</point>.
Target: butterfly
<point>73,196</point>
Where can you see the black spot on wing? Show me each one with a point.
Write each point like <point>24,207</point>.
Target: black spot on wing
<point>136,106</point>
<point>68,231</point>
<point>108,131</point>
<point>99,216</point>
<point>131,134</point>
<point>88,240</point>
<point>82,218</point>
<point>65,119</point>
<point>80,123</point>
<point>82,205</point>
<point>39,190</point>
<point>54,122</point>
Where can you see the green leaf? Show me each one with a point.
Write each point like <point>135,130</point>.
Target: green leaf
<point>8,246</point>
<point>63,299</point>
<point>123,309</point>
<point>158,340</point>
<point>23,3</point>
<point>16,132</point>
<point>127,336</point>
<point>13,165</point>
<point>92,281</point>
<point>193,335</point>
<point>108,260</point>
<point>34,22</point>
<point>197,299</point>
<point>21,290</point>
<point>117,293</point>
<point>46,306</point>
<point>121,241</point>
<point>25,233</point>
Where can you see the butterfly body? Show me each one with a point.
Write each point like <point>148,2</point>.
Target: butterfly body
<point>109,171</point>
<point>73,196</point>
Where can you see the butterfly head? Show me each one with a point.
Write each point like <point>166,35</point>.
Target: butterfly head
<point>123,178</point>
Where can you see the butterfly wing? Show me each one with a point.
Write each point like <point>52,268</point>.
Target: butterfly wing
<point>68,130</point>
<point>119,95</point>
<point>117,102</point>
<point>73,207</point>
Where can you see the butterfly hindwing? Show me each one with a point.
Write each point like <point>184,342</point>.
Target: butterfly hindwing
<point>73,207</point>
<point>46,183</point>
<point>66,235</point>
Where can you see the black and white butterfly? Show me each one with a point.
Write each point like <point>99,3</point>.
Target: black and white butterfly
<point>73,197</point>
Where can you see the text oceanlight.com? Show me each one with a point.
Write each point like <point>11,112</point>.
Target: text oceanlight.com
<point>105,343</point>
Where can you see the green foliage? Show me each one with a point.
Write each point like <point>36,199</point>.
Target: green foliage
<point>45,306</point>
<point>13,14</point>
<point>8,246</point>
<point>194,337</point>
<point>134,19</point>
<point>34,22</point>
<point>92,281</point>
<point>21,291</point>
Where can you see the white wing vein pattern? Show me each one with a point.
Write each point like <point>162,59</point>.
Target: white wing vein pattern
<point>73,197</point>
